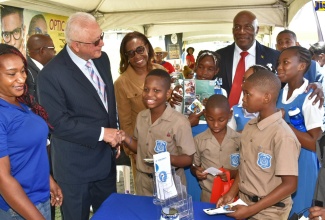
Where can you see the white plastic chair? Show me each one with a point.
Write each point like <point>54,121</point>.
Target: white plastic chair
<point>126,177</point>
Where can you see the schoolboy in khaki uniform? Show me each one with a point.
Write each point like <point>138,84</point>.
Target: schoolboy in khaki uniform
<point>158,129</point>
<point>216,147</point>
<point>269,154</point>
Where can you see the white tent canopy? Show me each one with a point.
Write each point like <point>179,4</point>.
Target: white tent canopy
<point>192,17</point>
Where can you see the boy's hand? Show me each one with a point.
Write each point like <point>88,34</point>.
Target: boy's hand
<point>223,177</point>
<point>241,212</point>
<point>225,199</point>
<point>200,174</point>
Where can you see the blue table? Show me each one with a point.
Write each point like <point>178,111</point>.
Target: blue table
<point>126,206</point>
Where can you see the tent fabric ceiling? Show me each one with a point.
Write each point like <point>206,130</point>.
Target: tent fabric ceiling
<point>169,16</point>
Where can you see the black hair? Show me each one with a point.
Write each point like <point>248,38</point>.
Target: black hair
<point>317,48</point>
<point>163,75</point>
<point>26,98</point>
<point>32,24</point>
<point>303,55</point>
<point>218,101</point>
<point>189,49</point>
<point>265,81</point>
<point>124,62</point>
<point>289,32</point>
<point>204,53</point>
<point>8,10</point>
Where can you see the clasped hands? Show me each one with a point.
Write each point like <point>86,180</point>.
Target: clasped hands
<point>112,136</point>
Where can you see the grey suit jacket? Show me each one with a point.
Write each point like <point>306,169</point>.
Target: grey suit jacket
<point>77,114</point>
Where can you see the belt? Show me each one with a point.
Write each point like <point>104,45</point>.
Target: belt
<point>150,175</point>
<point>256,199</point>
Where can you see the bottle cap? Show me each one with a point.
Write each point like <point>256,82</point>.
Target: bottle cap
<point>293,111</point>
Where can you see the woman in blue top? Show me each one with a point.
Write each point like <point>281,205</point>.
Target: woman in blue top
<point>293,64</point>
<point>24,165</point>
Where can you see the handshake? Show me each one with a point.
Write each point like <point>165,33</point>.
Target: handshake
<point>113,136</point>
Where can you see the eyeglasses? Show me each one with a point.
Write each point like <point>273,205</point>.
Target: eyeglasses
<point>48,48</point>
<point>138,50</point>
<point>159,54</point>
<point>16,34</point>
<point>96,43</point>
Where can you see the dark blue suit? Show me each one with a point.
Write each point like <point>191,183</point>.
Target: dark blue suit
<point>77,114</point>
<point>264,55</point>
<point>32,73</point>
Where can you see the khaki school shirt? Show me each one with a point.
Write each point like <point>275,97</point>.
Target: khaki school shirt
<point>269,149</point>
<point>171,129</point>
<point>209,153</point>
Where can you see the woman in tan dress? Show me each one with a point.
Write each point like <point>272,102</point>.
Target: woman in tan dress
<point>136,62</point>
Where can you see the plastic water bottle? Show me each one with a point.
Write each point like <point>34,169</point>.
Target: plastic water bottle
<point>297,119</point>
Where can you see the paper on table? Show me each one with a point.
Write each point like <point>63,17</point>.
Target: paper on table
<point>165,185</point>
<point>213,171</point>
<point>222,210</point>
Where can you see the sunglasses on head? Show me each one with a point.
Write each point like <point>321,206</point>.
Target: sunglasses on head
<point>96,43</point>
<point>138,50</point>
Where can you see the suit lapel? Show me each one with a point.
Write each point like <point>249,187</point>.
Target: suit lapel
<point>229,63</point>
<point>80,77</point>
<point>260,54</point>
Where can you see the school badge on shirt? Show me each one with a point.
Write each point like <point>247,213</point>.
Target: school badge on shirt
<point>264,160</point>
<point>161,146</point>
<point>234,159</point>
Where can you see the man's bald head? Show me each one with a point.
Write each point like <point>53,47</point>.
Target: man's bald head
<point>245,29</point>
<point>41,48</point>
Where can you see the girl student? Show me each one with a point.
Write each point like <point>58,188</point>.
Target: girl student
<point>292,65</point>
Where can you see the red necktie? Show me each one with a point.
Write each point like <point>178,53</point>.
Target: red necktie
<point>238,80</point>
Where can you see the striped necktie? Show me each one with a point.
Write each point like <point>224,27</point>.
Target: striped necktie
<point>98,82</point>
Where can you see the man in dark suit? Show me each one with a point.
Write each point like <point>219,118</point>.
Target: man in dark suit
<point>40,50</point>
<point>245,29</point>
<point>76,89</point>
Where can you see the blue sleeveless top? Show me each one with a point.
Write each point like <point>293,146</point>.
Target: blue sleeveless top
<point>240,118</point>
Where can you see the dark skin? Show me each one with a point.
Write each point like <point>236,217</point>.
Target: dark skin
<point>217,119</point>
<point>291,71</point>
<point>287,187</point>
<point>266,107</point>
<point>154,89</point>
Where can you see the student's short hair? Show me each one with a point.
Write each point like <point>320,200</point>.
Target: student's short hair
<point>205,53</point>
<point>163,75</point>
<point>218,101</point>
<point>8,10</point>
<point>303,55</point>
<point>289,32</point>
<point>265,81</point>
<point>317,48</point>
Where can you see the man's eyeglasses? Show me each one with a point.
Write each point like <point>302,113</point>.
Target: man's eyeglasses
<point>159,54</point>
<point>48,48</point>
<point>16,34</point>
<point>138,50</point>
<point>96,43</point>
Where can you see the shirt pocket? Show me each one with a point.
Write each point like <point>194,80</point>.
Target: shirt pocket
<point>263,160</point>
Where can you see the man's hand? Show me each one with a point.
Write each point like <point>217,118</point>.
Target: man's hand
<point>112,136</point>
<point>318,91</point>
<point>316,213</point>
